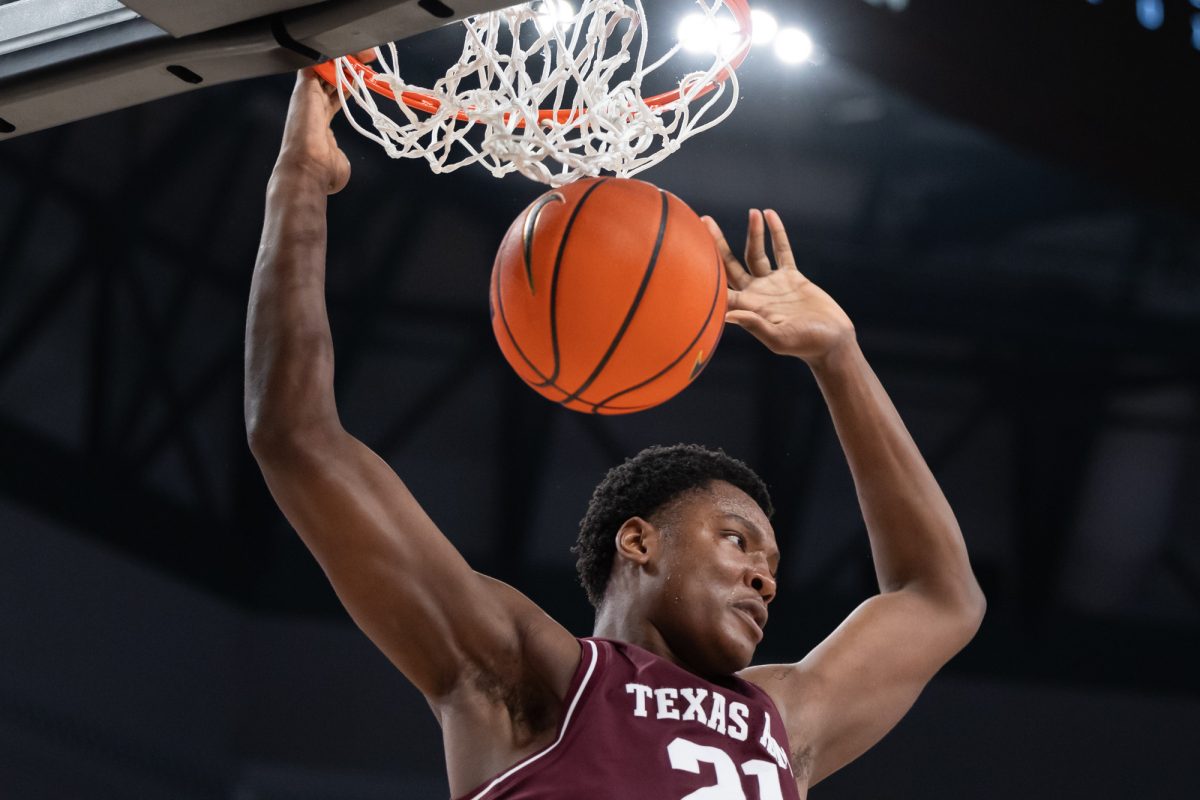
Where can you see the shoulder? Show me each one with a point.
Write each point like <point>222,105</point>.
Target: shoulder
<point>546,653</point>
<point>515,691</point>
<point>502,713</point>
<point>790,687</point>
<point>792,692</point>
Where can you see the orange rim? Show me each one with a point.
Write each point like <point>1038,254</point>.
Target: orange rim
<point>423,102</point>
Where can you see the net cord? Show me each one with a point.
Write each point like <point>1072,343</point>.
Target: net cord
<point>489,96</point>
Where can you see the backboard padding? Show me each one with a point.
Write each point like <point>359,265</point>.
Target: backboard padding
<point>91,56</point>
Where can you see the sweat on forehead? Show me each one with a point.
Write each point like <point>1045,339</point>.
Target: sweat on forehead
<point>720,497</point>
<point>706,492</point>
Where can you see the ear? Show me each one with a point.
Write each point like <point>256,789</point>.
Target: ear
<point>638,541</point>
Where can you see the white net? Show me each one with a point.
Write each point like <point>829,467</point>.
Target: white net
<point>551,93</point>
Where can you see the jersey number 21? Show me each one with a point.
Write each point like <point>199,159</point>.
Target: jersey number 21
<point>687,756</point>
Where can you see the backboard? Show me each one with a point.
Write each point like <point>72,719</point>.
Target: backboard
<point>65,60</point>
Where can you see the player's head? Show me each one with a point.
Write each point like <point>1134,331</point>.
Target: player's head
<point>683,534</point>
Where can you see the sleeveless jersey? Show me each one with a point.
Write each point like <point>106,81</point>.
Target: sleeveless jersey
<point>637,726</point>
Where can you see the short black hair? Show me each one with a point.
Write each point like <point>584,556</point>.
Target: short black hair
<point>643,485</point>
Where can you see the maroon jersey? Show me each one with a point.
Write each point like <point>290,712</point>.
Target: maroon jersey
<point>637,726</point>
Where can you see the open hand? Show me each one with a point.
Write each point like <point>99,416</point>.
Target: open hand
<point>780,307</point>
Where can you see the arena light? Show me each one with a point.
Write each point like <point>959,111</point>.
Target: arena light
<point>1150,14</point>
<point>554,14</point>
<point>764,27</point>
<point>699,33</point>
<point>696,34</point>
<point>793,46</point>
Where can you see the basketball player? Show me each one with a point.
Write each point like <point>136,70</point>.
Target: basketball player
<point>676,552</point>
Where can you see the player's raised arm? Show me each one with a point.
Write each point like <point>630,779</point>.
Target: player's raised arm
<point>403,583</point>
<point>851,689</point>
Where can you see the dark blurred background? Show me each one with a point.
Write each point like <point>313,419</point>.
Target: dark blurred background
<point>1003,195</point>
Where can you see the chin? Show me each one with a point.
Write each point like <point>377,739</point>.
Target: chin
<point>735,652</point>
<point>746,657</point>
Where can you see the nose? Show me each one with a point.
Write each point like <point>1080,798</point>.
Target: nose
<point>760,580</point>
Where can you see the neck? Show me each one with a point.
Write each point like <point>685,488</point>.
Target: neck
<point>621,621</point>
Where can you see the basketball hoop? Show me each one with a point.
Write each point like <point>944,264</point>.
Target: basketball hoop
<point>552,95</point>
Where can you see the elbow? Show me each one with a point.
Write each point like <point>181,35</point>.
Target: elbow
<point>275,428</point>
<point>275,443</point>
<point>963,606</point>
<point>288,390</point>
<point>267,444</point>
<point>971,607</point>
<point>263,442</point>
<point>980,602</point>
<point>263,436</point>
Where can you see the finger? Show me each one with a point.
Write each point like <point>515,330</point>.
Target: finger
<point>306,106</point>
<point>755,325</point>
<point>342,176</point>
<point>308,80</point>
<point>779,241</point>
<point>742,301</point>
<point>307,85</point>
<point>331,102</point>
<point>312,90</point>
<point>756,254</point>
<point>735,274</point>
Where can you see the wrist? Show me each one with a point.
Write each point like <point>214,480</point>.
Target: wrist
<point>298,172</point>
<point>843,356</point>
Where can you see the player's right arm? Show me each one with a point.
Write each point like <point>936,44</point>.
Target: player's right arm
<point>402,581</point>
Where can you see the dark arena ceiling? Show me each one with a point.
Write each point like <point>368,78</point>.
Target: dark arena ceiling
<point>1003,195</point>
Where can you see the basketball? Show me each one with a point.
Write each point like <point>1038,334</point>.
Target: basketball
<point>608,295</point>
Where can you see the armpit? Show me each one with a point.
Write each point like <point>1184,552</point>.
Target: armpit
<point>532,709</point>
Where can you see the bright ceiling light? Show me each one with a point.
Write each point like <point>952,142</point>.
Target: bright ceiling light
<point>695,33</point>
<point>793,46</point>
<point>554,14</point>
<point>764,26</point>
<point>699,33</point>
<point>1150,14</point>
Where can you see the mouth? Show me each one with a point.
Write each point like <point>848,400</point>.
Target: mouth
<point>755,616</point>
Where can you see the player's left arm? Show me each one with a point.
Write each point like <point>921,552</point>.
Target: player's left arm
<point>857,684</point>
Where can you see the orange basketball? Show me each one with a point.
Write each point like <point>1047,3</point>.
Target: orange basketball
<point>608,295</point>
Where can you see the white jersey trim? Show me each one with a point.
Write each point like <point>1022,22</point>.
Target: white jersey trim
<point>562,732</point>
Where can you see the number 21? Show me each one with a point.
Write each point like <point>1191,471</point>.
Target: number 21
<point>687,756</point>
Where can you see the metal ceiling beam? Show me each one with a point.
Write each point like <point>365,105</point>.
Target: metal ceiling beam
<point>161,329</point>
<point>359,311</point>
<point>38,312</point>
<point>97,496</point>
<point>429,401</point>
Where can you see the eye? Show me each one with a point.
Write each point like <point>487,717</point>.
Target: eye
<point>737,539</point>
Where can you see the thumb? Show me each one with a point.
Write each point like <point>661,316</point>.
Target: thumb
<point>758,327</point>
<point>341,173</point>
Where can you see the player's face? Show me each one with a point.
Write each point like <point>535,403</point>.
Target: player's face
<point>718,576</point>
